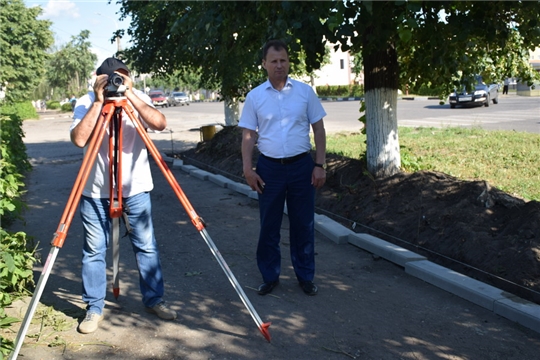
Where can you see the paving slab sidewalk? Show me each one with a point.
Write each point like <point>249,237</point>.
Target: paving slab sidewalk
<point>367,307</point>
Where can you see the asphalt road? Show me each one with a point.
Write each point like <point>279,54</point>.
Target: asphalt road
<point>518,113</point>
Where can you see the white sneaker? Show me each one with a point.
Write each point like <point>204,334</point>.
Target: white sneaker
<point>90,323</point>
<point>162,311</point>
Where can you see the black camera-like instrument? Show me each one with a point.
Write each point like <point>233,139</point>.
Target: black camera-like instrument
<point>115,85</point>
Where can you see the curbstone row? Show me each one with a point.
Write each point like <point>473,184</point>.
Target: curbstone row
<point>502,303</point>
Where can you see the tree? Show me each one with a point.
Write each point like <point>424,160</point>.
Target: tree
<point>24,41</point>
<point>70,68</point>
<point>222,40</point>
<point>431,43</point>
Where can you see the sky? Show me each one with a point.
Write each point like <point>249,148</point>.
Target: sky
<point>70,17</point>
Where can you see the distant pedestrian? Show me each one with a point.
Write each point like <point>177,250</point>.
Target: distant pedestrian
<point>73,101</point>
<point>505,87</point>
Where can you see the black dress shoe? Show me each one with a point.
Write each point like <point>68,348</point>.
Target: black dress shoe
<point>309,287</point>
<point>267,287</point>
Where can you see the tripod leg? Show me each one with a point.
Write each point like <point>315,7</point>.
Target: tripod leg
<point>65,222</point>
<point>115,244</point>
<point>197,221</point>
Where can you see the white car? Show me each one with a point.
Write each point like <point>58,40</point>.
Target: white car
<point>178,98</point>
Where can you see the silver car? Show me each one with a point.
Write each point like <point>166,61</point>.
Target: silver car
<point>178,98</point>
<point>482,94</point>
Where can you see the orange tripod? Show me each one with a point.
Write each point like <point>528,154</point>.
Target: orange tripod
<point>115,107</point>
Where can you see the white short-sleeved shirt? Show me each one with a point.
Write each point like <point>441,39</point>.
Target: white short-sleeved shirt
<point>136,175</point>
<point>282,118</point>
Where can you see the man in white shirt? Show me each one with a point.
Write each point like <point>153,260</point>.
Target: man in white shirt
<point>136,185</point>
<point>277,115</point>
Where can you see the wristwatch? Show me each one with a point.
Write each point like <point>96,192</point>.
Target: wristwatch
<point>321,166</point>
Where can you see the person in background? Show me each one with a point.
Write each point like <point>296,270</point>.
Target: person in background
<point>73,101</point>
<point>505,86</point>
<point>136,187</point>
<point>278,115</point>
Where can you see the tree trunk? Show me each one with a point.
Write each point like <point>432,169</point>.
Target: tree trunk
<point>383,157</point>
<point>381,71</point>
<point>232,112</point>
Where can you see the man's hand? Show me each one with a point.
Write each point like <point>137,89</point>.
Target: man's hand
<point>99,88</point>
<point>318,177</point>
<point>254,181</point>
<point>127,83</point>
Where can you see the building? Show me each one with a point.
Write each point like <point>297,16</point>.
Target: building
<point>534,90</point>
<point>338,71</point>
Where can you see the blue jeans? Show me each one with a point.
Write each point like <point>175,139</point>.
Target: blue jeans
<point>97,228</point>
<point>291,183</point>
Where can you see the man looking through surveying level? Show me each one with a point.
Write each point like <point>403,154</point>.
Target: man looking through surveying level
<point>136,185</point>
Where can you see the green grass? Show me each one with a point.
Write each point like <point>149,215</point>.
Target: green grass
<point>507,160</point>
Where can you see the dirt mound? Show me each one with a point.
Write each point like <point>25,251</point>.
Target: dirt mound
<point>467,226</point>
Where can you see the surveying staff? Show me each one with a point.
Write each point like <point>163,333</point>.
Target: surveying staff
<point>136,185</point>
<point>281,111</point>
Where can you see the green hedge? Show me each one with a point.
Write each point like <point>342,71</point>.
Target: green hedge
<point>16,249</point>
<point>66,107</point>
<point>340,90</point>
<point>53,105</point>
<point>358,91</point>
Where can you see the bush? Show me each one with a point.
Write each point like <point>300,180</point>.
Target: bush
<point>53,105</point>
<point>16,257</point>
<point>16,277</point>
<point>23,110</point>
<point>427,91</point>
<point>340,90</point>
<point>66,107</point>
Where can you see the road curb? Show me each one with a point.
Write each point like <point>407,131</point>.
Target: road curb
<point>502,303</point>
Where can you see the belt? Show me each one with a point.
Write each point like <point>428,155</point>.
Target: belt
<point>287,160</point>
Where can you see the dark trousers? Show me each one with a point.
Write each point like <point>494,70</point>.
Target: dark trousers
<point>290,183</point>
<point>505,89</point>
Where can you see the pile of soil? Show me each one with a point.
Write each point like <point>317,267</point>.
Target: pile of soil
<point>468,226</point>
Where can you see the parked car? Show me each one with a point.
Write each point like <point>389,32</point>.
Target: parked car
<point>482,95</point>
<point>158,98</point>
<point>178,98</point>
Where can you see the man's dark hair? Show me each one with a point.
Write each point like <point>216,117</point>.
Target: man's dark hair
<point>276,44</point>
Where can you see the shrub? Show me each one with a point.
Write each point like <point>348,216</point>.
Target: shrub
<point>340,90</point>
<point>13,164</point>
<point>16,258</point>
<point>23,110</point>
<point>66,107</point>
<point>427,91</point>
<point>53,105</point>
<point>16,276</point>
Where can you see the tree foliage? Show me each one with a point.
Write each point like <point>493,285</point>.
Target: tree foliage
<point>221,40</point>
<point>431,43</point>
<point>415,43</point>
<point>24,41</point>
<point>441,42</point>
<point>71,66</point>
